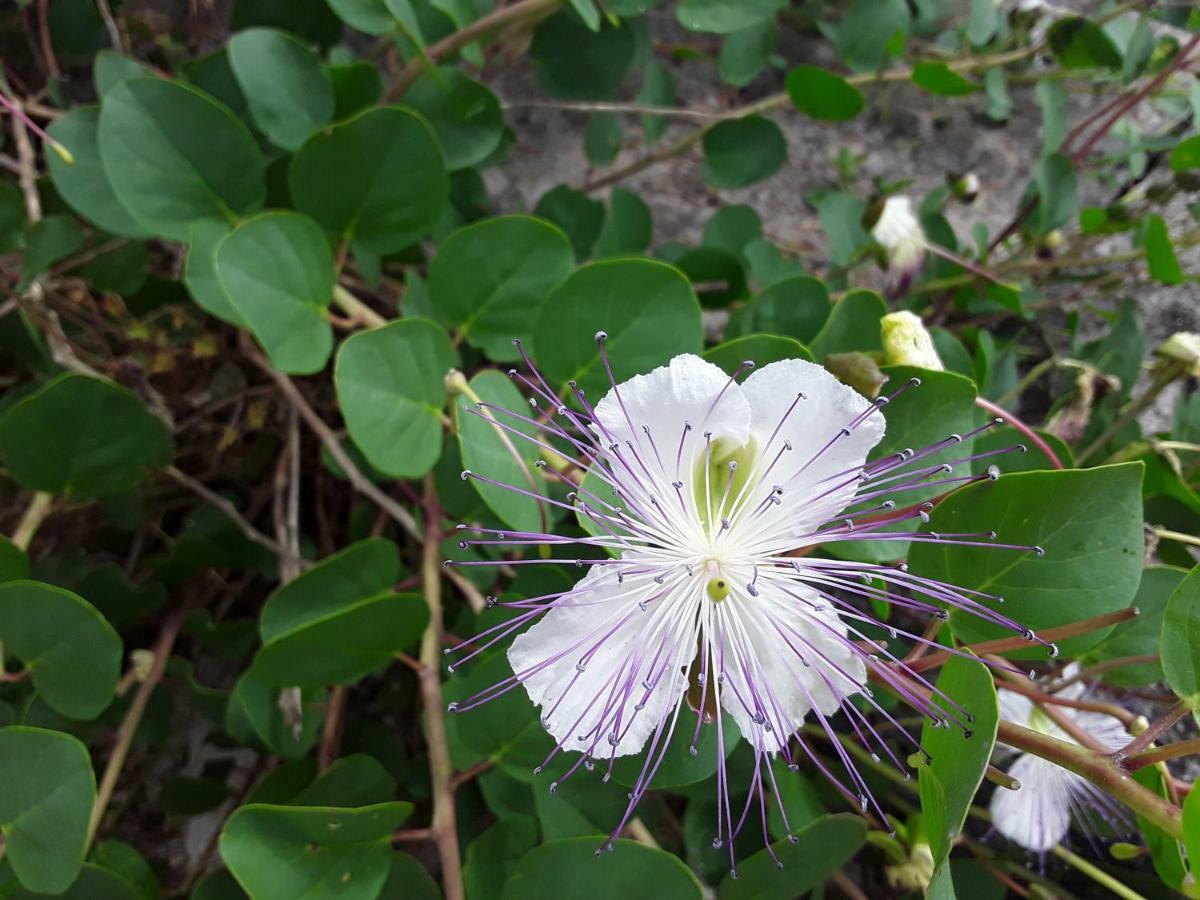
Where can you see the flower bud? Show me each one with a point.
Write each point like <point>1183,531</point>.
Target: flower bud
<point>141,661</point>
<point>857,370</point>
<point>1181,349</point>
<point>456,383</point>
<point>964,187</point>
<point>916,873</point>
<point>898,232</point>
<point>1124,851</point>
<point>906,342</point>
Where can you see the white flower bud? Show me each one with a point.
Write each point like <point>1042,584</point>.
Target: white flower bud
<point>1183,348</point>
<point>898,231</point>
<point>906,342</point>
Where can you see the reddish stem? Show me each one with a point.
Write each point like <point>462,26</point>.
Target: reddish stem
<point>1034,438</point>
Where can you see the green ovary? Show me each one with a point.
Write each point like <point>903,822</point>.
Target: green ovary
<point>724,451</point>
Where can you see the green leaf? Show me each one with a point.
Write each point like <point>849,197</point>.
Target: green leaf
<point>1186,155</point>
<point>647,308</point>
<point>1181,640</point>
<point>377,179</point>
<point>1140,636</point>
<point>391,390</point>
<point>356,86</point>
<point>761,349</point>
<point>746,53</point>
<point>796,307</point>
<point>505,729</point>
<point>1053,100</point>
<point>1191,825</point>
<point>820,94</point>
<point>602,138</point>
<point>938,78</point>
<point>841,217</point>
<point>574,212</point>
<point>123,860</point>
<point>45,808</point>
<point>1079,44</point>
<point>819,850</point>
<point>489,279</point>
<point>741,152</point>
<point>853,325</point>
<point>732,228</point>
<point>355,780</point>
<point>1160,252</point>
<point>1057,192</point>
<point>1164,848</point>
<point>628,227</point>
<point>367,16</point>
<point>14,562</point>
<point>958,762</point>
<point>49,240</point>
<point>1087,521</point>
<point>868,28</point>
<point>465,114</point>
<point>493,857</point>
<point>200,271</point>
<point>84,184</point>
<point>566,870</point>
<point>290,95</point>
<point>173,155</point>
<point>285,852</point>
<point>725,16</point>
<point>679,766</point>
<point>1031,460</point>
<point>83,436</point>
<point>408,879</point>
<point>573,62</point>
<point>339,620</point>
<point>110,68</point>
<point>255,716</point>
<point>70,651</point>
<point>983,21</point>
<point>486,451</point>
<point>277,270</point>
<point>658,89</point>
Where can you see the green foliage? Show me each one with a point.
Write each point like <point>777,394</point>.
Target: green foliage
<point>273,274</point>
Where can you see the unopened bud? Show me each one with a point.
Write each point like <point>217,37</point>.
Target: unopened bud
<point>1124,851</point>
<point>916,873</point>
<point>964,187</point>
<point>898,231</point>
<point>906,342</point>
<point>456,383</point>
<point>1181,349</point>
<point>63,153</point>
<point>858,370</point>
<point>1053,240</point>
<point>141,661</point>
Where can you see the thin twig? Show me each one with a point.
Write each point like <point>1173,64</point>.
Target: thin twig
<point>224,505</point>
<point>441,770</point>
<point>110,25</point>
<point>331,735</point>
<point>1179,749</point>
<point>40,506</point>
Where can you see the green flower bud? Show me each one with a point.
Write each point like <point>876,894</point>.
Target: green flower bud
<point>906,342</point>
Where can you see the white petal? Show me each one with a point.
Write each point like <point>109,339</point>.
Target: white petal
<point>1014,707</point>
<point>764,643</point>
<point>621,646</point>
<point>684,391</point>
<point>897,225</point>
<point>1106,730</point>
<point>1038,816</point>
<point>811,494</point>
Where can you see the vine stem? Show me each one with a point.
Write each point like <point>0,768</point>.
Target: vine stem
<point>357,310</point>
<point>1096,874</point>
<point>1179,749</point>
<point>36,512</point>
<point>775,101</point>
<point>133,717</point>
<point>1153,731</point>
<point>441,770</point>
<point>452,43</point>
<point>1034,438</point>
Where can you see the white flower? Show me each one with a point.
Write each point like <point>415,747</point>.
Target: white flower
<point>1038,815</point>
<point>898,231</point>
<point>705,499</point>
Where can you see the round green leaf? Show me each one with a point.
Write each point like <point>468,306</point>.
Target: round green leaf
<point>200,271</point>
<point>939,78</point>
<point>45,808</point>
<point>1080,44</point>
<point>958,762</point>
<point>285,852</point>
<point>853,325</point>
<point>796,307</point>
<point>760,349</point>
<point>378,179</point>
<point>486,451</point>
<point>741,152</point>
<point>290,95</point>
<point>820,94</point>
<point>110,68</point>
<point>581,217</point>
<point>84,184</point>
<point>174,155</point>
<point>254,716</point>
<point>567,870</point>
<point>575,63</point>
<point>1088,522</point>
<point>339,620</point>
<point>494,855</point>
<point>1191,824</point>
<point>725,16</point>
<point>1140,636</point>
<point>1186,155</point>
<point>70,651</point>
<point>820,849</point>
<point>391,389</point>
<point>464,113</point>
<point>490,278</point>
<point>647,308</point>
<point>1181,640</point>
<point>83,436</point>
<point>277,271</point>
